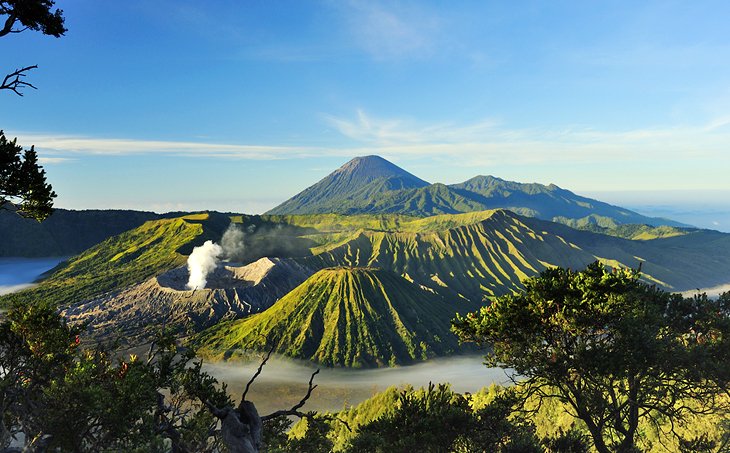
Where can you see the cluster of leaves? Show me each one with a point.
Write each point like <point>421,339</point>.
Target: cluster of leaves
<point>615,351</point>
<point>23,181</point>
<point>62,397</point>
<point>20,15</point>
<point>437,419</point>
<point>432,419</point>
<point>34,15</point>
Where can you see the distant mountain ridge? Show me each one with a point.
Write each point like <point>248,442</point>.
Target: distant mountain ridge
<point>372,185</point>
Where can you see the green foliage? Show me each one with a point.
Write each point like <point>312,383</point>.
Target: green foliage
<point>427,420</point>
<point>350,317</point>
<point>314,438</point>
<point>31,14</point>
<point>275,438</point>
<point>613,349</point>
<point>571,441</point>
<point>432,419</point>
<point>23,180</point>
<point>63,397</point>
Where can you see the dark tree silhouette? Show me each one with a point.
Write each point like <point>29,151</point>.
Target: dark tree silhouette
<point>23,182</point>
<point>17,16</point>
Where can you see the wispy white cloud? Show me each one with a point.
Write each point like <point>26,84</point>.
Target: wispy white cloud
<point>481,143</point>
<point>387,132</point>
<point>391,30</point>
<point>488,142</point>
<point>54,160</point>
<point>64,147</point>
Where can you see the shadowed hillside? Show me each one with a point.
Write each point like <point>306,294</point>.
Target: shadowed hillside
<point>65,232</point>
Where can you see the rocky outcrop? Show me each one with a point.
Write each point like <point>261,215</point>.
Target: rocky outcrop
<point>134,314</point>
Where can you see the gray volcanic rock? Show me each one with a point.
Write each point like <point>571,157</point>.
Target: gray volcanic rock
<point>133,315</point>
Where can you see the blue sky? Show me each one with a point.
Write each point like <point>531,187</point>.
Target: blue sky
<point>237,105</point>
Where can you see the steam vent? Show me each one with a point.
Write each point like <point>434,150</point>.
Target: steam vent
<point>231,292</point>
<point>223,277</point>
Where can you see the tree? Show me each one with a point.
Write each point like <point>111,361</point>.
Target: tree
<point>436,419</point>
<point>62,396</point>
<point>23,181</point>
<point>21,15</point>
<point>614,350</point>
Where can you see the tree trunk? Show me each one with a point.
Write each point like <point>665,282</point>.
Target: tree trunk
<point>241,429</point>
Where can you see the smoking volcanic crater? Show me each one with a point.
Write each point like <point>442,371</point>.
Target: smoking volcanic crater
<point>225,276</point>
<point>231,291</point>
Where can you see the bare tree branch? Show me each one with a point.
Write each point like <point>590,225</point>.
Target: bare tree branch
<point>8,26</point>
<point>256,374</point>
<point>295,410</point>
<point>13,81</point>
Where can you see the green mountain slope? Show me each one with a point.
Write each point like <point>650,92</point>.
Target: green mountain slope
<point>606,225</point>
<point>484,254</point>
<point>547,202</point>
<point>123,260</point>
<point>696,259</point>
<point>472,256</point>
<point>465,256</point>
<point>424,201</point>
<point>348,187</point>
<point>354,317</point>
<point>372,185</point>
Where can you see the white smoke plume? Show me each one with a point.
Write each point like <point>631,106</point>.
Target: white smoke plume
<point>232,242</point>
<point>201,262</point>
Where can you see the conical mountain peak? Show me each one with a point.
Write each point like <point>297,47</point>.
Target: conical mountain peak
<point>365,169</point>
<point>360,179</point>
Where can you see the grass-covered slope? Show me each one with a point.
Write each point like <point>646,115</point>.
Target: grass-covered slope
<point>468,256</point>
<point>695,259</point>
<point>634,231</point>
<point>353,317</point>
<point>474,255</point>
<point>120,261</point>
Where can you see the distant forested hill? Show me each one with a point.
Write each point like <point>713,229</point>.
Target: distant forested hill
<point>65,232</point>
<point>372,185</point>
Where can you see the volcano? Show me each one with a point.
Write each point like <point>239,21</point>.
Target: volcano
<point>353,317</point>
<point>232,292</point>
